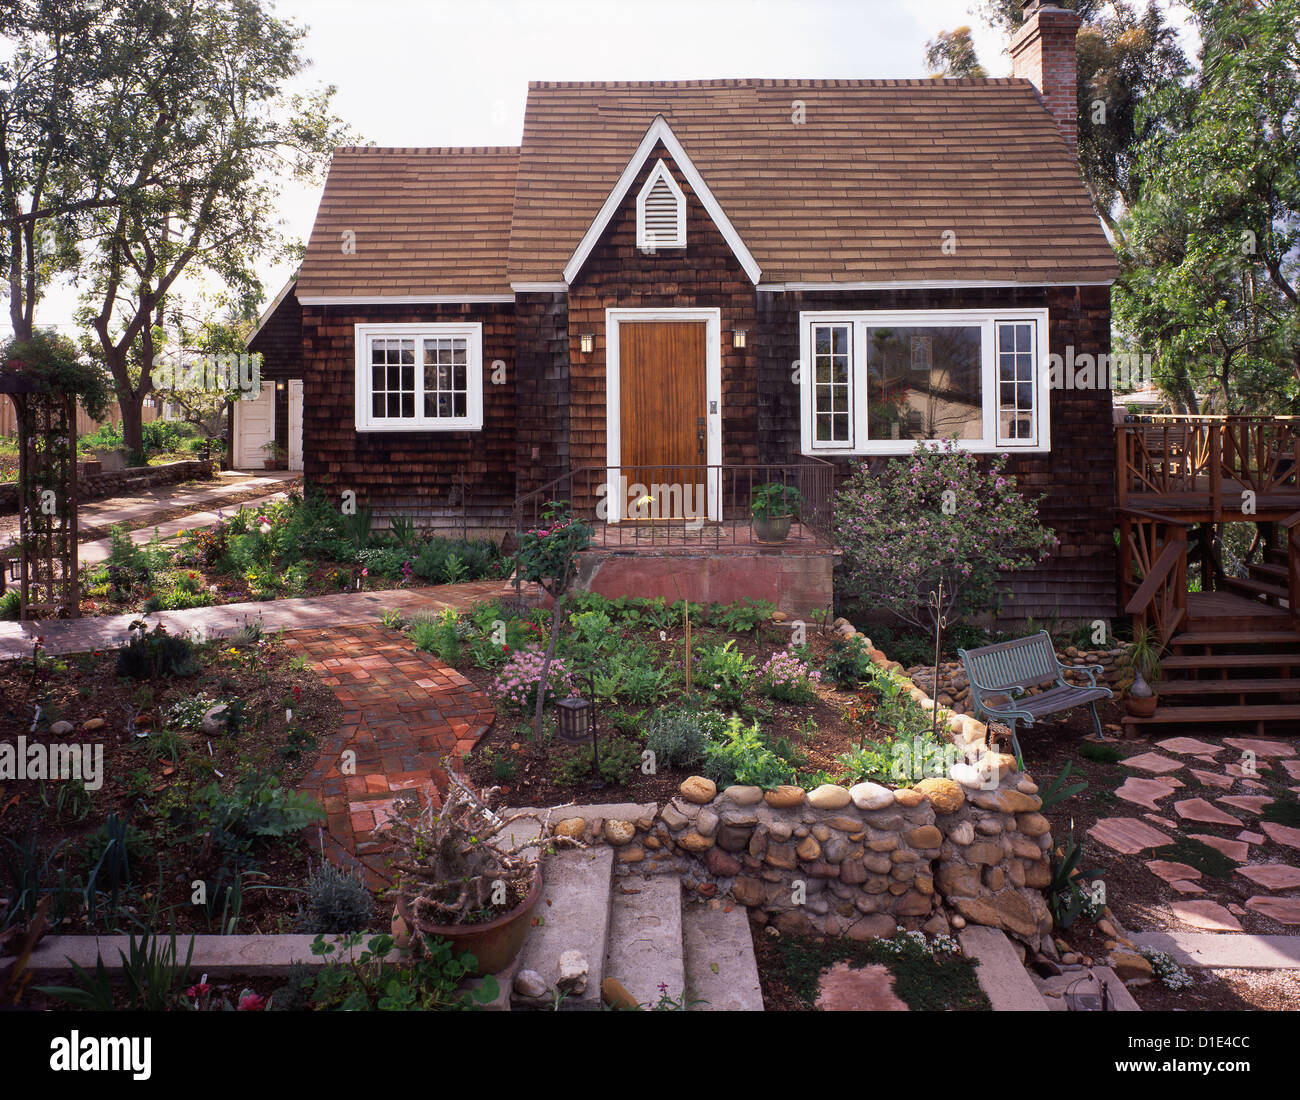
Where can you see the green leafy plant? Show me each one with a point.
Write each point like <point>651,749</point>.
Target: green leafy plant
<point>619,760</point>
<point>774,500</point>
<point>678,737</point>
<point>427,979</point>
<point>742,755</point>
<point>726,671</point>
<point>149,654</point>
<point>1066,896</point>
<point>548,551</point>
<point>1059,789</point>
<point>848,663</point>
<point>336,902</point>
<point>152,976</point>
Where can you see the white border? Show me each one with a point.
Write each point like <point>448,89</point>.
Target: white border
<point>471,422</point>
<point>921,284</point>
<point>658,173</point>
<point>404,299</point>
<point>712,318</point>
<point>987,319</point>
<point>660,131</point>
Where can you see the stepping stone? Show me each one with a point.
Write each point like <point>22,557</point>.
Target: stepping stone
<point>1209,760</point>
<point>1281,834</point>
<point>1292,768</point>
<point>1144,792</point>
<point>1239,772</point>
<point>1254,785</point>
<point>1186,888</point>
<point>1259,747</point>
<point>1209,915</point>
<point>1212,779</point>
<point>1235,909</point>
<point>1235,850</point>
<point>1272,876</point>
<point>1171,871</point>
<point>1205,813</point>
<point>1126,835</point>
<point>1152,762</point>
<point>1282,910</point>
<point>1188,746</point>
<point>1251,837</point>
<point>1156,819</point>
<point>1251,803</point>
<point>864,989</point>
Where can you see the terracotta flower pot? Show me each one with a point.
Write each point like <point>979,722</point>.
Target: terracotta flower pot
<point>1141,700</point>
<point>494,943</point>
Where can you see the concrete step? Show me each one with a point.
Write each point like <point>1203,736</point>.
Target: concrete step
<point>574,914</point>
<point>721,971</point>
<point>1001,974</point>
<point>645,936</point>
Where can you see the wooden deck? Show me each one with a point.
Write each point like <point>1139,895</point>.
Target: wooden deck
<point>1199,503</point>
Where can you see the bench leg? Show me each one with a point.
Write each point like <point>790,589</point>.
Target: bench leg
<point>1096,722</point>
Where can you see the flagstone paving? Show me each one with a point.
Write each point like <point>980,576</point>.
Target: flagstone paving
<point>1272,876</point>
<point>1212,779</point>
<point>1189,746</point>
<point>1203,812</point>
<point>1171,871</point>
<point>1209,915</point>
<point>1251,803</point>
<point>407,718</point>
<point>1153,762</point>
<point>1282,910</point>
<point>1146,792</point>
<point>1260,747</point>
<point>1235,850</point>
<point>1126,835</point>
<point>1281,834</point>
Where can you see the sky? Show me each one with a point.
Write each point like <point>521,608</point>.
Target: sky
<point>456,72</point>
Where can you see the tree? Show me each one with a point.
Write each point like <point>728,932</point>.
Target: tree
<point>201,374</point>
<point>952,54</point>
<point>1210,252</point>
<point>1008,16</point>
<point>204,129</point>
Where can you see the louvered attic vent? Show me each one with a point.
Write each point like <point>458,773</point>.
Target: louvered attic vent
<point>660,212</point>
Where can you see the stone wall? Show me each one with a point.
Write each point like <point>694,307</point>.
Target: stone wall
<point>101,485</point>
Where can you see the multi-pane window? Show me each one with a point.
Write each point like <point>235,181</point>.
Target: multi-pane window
<point>880,382</point>
<point>1015,381</point>
<point>832,384</point>
<point>419,377</point>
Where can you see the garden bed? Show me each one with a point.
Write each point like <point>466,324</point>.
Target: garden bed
<point>168,790</point>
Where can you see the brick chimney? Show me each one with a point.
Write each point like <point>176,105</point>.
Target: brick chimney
<point>1043,52</point>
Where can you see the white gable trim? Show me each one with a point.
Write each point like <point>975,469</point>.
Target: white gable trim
<point>922,284</point>
<point>660,131</point>
<point>644,240</point>
<point>403,299</point>
<point>290,283</point>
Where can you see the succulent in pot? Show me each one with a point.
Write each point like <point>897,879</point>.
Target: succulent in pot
<point>1143,660</point>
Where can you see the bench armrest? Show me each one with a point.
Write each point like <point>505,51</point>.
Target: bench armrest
<point>1091,670</point>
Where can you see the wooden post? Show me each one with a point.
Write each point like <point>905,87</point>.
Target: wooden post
<point>1216,469</point>
<point>1121,464</point>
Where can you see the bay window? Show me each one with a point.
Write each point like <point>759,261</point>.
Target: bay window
<point>880,383</point>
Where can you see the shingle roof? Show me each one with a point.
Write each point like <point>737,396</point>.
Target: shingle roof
<point>862,190</point>
<point>426,222</point>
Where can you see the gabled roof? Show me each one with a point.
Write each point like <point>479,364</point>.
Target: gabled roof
<point>861,190</point>
<point>426,223</point>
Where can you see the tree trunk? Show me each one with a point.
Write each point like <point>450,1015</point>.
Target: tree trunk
<point>132,425</point>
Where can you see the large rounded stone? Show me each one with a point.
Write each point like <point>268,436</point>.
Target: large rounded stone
<point>749,892</point>
<point>808,849</point>
<point>784,797</point>
<point>733,838</point>
<point>945,796</point>
<point>693,842</point>
<point>963,833</point>
<point>699,790</point>
<point>1033,825</point>
<point>721,864</point>
<point>829,797</point>
<point>744,796</point>
<point>619,833</point>
<point>878,926</point>
<point>871,796</point>
<point>926,836</point>
<point>907,797</point>
<point>575,828</point>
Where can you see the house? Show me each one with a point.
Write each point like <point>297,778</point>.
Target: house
<point>681,290</point>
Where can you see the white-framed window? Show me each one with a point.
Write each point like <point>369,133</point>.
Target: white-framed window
<point>424,377</point>
<point>883,382</point>
<point>660,212</point>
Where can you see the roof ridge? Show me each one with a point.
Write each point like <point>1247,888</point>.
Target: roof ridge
<point>764,82</point>
<point>430,150</point>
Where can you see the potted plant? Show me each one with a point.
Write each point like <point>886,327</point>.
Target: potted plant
<point>463,875</point>
<point>276,458</point>
<point>1143,658</point>
<point>774,506</point>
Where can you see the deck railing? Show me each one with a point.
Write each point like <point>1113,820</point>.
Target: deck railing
<point>1291,527</point>
<point>1153,570</point>
<point>683,505</point>
<point>1207,456</point>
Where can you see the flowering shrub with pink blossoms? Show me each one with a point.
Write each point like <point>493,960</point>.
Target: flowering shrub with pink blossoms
<point>938,513</point>
<point>788,679</point>
<point>516,684</point>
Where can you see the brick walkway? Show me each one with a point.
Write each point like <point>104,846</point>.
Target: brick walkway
<point>406,715</point>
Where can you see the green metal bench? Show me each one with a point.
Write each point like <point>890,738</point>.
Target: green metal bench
<point>1007,670</point>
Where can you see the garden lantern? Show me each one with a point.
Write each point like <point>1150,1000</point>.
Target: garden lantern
<point>576,722</point>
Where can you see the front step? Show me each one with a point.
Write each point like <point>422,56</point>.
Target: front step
<point>1256,714</point>
<point>1231,660</point>
<point>721,971</point>
<point>1230,687</point>
<point>1236,637</point>
<point>645,936</point>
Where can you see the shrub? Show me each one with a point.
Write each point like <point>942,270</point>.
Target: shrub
<point>788,679</point>
<point>447,561</point>
<point>383,561</point>
<point>10,604</point>
<point>724,670</point>
<point>678,738</point>
<point>165,436</point>
<point>941,514</point>
<point>336,902</point>
<point>847,664</point>
<point>152,653</point>
<point>741,755</point>
<point>257,808</point>
<point>548,551</point>
<point>441,634</point>
<point>516,685</point>
<point>619,760</point>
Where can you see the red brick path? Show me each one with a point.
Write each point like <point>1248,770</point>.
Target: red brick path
<point>405,714</point>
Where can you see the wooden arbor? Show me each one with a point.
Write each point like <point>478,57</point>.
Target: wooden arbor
<point>47,501</point>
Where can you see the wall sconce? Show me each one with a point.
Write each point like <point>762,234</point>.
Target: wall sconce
<point>587,342</point>
<point>279,386</point>
<point>738,336</point>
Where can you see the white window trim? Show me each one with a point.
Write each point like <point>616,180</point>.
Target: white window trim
<point>986,319</point>
<point>712,318</point>
<point>660,173</point>
<point>471,422</point>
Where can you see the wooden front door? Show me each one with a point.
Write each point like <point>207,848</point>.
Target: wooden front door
<point>662,416</point>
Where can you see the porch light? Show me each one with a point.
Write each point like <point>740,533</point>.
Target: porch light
<point>587,342</point>
<point>279,386</point>
<point>738,336</point>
